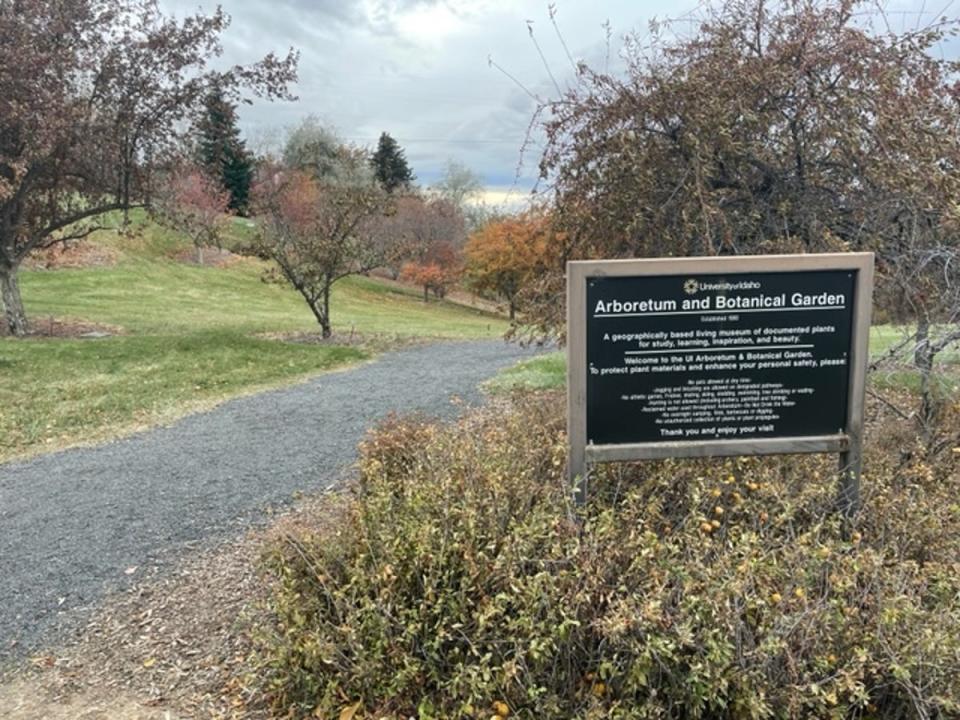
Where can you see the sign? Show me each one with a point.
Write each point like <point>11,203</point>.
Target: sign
<point>716,356</point>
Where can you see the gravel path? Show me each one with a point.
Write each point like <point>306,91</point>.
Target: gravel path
<point>73,522</point>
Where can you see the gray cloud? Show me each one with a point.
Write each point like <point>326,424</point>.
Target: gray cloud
<point>418,69</point>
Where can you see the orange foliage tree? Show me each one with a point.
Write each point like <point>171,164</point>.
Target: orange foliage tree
<point>505,256</point>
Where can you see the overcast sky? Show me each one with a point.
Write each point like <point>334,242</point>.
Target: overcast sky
<point>419,69</point>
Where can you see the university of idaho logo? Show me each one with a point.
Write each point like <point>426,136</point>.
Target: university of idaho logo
<point>691,286</point>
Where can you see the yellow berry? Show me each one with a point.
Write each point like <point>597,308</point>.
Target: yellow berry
<point>775,598</point>
<point>715,524</point>
<point>716,492</point>
<point>799,592</point>
<point>718,510</point>
<point>501,708</point>
<point>706,527</point>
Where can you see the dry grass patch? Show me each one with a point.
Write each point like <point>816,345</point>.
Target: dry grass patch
<point>73,256</point>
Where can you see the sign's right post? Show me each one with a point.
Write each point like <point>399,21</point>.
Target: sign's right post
<point>851,460</point>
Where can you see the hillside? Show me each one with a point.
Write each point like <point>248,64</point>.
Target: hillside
<point>171,337</point>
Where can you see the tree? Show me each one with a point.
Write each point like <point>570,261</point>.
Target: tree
<point>458,183</point>
<point>390,165</point>
<point>193,203</point>
<point>461,186</point>
<point>428,235</point>
<point>769,127</point>
<point>221,150</point>
<point>313,148</point>
<point>413,226</point>
<point>436,271</point>
<point>93,94</point>
<point>506,256</point>
<point>316,232</point>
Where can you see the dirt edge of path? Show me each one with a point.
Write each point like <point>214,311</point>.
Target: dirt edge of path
<point>176,645</point>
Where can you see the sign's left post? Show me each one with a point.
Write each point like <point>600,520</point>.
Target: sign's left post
<point>577,471</point>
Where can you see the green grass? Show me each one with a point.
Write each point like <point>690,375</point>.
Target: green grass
<point>165,297</point>
<point>191,338</point>
<point>901,375</point>
<point>65,392</point>
<point>144,239</point>
<point>885,337</point>
<point>148,292</point>
<point>546,372</point>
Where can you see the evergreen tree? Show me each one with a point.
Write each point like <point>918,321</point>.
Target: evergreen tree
<point>222,152</point>
<point>390,165</point>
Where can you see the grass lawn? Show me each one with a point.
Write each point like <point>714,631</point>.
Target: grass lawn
<point>190,339</point>
<point>73,391</point>
<point>545,372</point>
<point>163,297</point>
<point>902,376</point>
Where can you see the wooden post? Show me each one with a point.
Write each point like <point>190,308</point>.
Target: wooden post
<point>576,382</point>
<point>851,460</point>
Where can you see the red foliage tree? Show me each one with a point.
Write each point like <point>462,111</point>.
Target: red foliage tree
<point>318,233</point>
<point>92,94</point>
<point>425,237</point>
<point>194,204</point>
<point>799,126</point>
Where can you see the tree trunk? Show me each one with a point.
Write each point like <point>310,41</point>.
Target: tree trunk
<point>200,255</point>
<point>319,306</point>
<point>426,291</point>
<point>325,329</point>
<point>922,346</point>
<point>513,310</point>
<point>923,359</point>
<point>13,311</point>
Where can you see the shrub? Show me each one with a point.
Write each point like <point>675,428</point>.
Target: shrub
<point>460,583</point>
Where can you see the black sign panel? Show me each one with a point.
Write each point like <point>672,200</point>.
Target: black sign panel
<point>718,357</point>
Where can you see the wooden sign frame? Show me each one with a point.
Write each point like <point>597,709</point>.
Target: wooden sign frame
<point>847,443</point>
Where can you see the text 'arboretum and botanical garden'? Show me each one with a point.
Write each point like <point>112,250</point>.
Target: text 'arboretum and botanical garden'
<point>689,358</point>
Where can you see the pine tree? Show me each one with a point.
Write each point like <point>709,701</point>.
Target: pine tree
<point>222,151</point>
<point>390,165</point>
